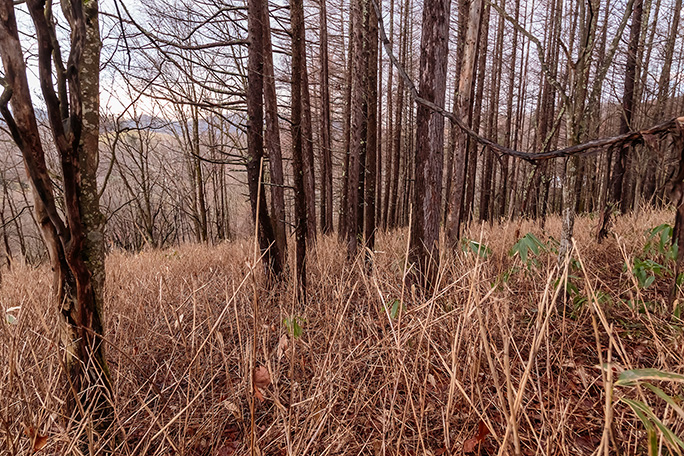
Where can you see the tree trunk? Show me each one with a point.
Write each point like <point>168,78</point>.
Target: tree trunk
<point>427,200</point>
<point>358,122</point>
<point>298,56</point>
<point>307,138</point>
<point>272,137</point>
<point>326,150</point>
<point>372,144</point>
<point>346,134</point>
<point>465,84</point>
<point>75,246</point>
<point>255,145</point>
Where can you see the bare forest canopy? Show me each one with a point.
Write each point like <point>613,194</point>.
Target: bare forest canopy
<point>174,139</point>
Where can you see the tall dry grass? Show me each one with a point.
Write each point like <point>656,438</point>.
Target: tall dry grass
<point>499,350</point>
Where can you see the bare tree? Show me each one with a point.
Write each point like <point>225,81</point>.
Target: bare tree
<point>75,242</point>
<point>255,140</point>
<point>427,203</point>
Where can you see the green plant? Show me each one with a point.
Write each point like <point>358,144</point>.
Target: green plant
<point>647,270</point>
<point>660,242</point>
<point>482,250</point>
<point>294,325</point>
<point>394,309</point>
<point>644,412</point>
<point>527,248</point>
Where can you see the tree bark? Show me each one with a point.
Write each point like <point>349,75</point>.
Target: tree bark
<point>372,144</point>
<point>75,245</point>
<point>275,156</point>
<point>255,144</point>
<point>326,150</point>
<point>300,201</point>
<point>465,84</point>
<point>427,200</point>
<point>358,123</point>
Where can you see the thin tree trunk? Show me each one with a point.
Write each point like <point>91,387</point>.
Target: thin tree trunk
<point>255,145</point>
<point>372,143</point>
<point>300,202</point>
<point>464,103</point>
<point>272,137</point>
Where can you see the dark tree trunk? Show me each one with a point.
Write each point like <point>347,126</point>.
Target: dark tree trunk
<point>75,245</point>
<point>255,142</point>
<point>372,144</point>
<point>344,203</point>
<point>618,177</point>
<point>300,202</point>
<point>358,124</point>
<point>275,156</point>
<point>326,150</point>
<point>427,201</point>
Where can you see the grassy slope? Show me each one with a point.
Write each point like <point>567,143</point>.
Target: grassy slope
<point>356,381</point>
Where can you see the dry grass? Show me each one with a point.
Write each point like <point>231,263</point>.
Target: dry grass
<point>499,343</point>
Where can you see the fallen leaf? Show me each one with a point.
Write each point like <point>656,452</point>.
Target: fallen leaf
<point>39,441</point>
<point>232,407</point>
<point>482,431</point>
<point>227,450</point>
<point>282,346</point>
<point>261,377</point>
<point>472,443</point>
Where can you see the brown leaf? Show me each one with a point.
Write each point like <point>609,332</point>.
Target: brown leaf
<point>283,343</point>
<point>258,394</point>
<point>482,431</point>
<point>470,445</point>
<point>227,450</point>
<point>39,441</point>
<point>261,377</point>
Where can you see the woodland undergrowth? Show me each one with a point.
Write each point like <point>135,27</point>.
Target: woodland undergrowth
<point>510,355</point>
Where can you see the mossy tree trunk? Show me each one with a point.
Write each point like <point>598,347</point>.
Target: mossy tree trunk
<point>75,242</point>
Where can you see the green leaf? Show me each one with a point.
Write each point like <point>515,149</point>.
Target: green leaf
<point>648,415</point>
<point>638,409</point>
<point>482,250</point>
<point>629,377</point>
<point>11,319</point>
<point>667,398</point>
<point>395,309</point>
<point>649,281</point>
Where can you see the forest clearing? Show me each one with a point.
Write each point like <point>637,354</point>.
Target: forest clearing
<point>341,227</point>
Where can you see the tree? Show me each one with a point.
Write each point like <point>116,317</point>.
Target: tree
<point>275,156</point>
<point>359,111</point>
<point>625,125</point>
<point>326,147</point>
<point>75,243</point>
<point>374,126</point>
<point>255,142</point>
<point>427,202</point>
<point>300,199</point>
<point>465,88</point>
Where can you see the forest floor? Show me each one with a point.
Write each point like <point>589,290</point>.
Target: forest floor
<point>507,356</point>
